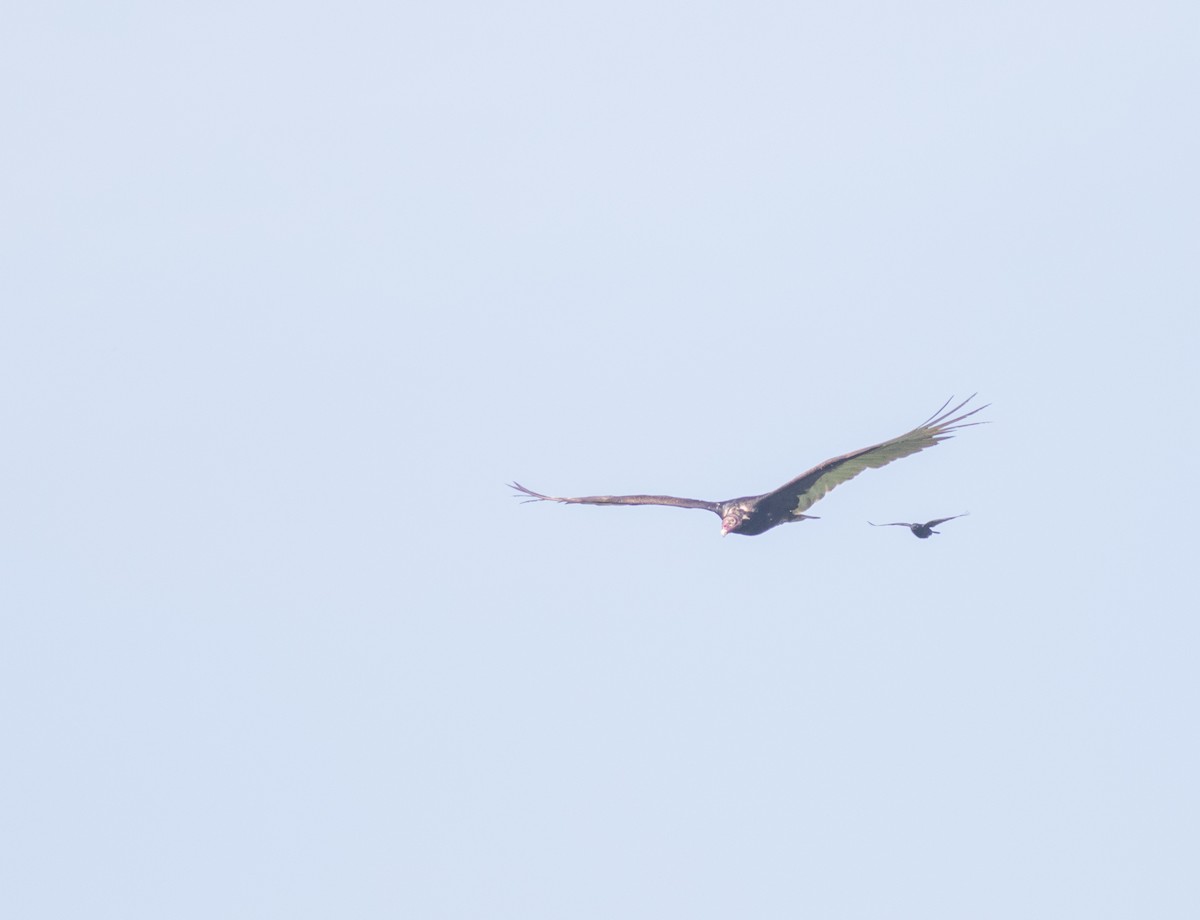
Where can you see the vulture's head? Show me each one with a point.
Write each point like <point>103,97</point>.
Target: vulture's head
<point>732,519</point>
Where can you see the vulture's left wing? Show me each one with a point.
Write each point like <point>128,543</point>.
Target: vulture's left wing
<point>805,490</point>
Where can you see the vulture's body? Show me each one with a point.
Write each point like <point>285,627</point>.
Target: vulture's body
<point>755,514</point>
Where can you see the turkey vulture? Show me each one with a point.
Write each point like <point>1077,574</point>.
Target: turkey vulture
<point>922,530</point>
<point>755,514</point>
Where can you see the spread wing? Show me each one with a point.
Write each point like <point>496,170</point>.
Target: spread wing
<point>927,523</point>
<point>808,488</point>
<point>668,500</point>
<point>944,520</point>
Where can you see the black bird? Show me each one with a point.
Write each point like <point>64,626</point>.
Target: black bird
<point>755,514</point>
<point>922,530</point>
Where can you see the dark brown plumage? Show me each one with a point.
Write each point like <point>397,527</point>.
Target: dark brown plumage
<point>755,514</point>
<point>922,530</point>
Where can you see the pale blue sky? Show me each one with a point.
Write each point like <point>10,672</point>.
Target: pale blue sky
<point>291,290</point>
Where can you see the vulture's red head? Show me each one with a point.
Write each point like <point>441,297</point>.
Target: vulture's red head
<point>732,520</point>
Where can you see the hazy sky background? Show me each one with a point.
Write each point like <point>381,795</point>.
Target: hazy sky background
<point>290,292</point>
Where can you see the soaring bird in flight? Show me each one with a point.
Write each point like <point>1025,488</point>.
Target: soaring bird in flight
<point>755,514</point>
<point>922,530</point>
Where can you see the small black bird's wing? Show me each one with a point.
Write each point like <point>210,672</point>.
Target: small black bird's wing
<point>893,524</point>
<point>944,520</point>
